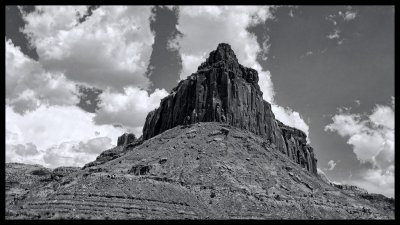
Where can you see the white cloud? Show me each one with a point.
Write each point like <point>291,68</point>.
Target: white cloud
<point>25,150</point>
<point>291,13</point>
<point>383,115</point>
<point>28,85</point>
<point>265,48</point>
<point>332,19</point>
<point>228,24</point>
<point>348,14</point>
<point>308,53</point>
<point>111,48</point>
<point>70,153</point>
<point>372,138</point>
<point>74,153</point>
<point>376,181</point>
<point>129,108</point>
<point>48,127</point>
<point>95,145</point>
<point>23,153</point>
<point>323,176</point>
<point>331,164</point>
<point>346,124</point>
<point>290,118</point>
<point>334,35</point>
<point>190,63</point>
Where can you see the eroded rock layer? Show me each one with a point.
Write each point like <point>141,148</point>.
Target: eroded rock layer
<point>224,91</point>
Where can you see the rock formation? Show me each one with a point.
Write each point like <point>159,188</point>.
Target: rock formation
<point>125,139</point>
<point>199,171</point>
<point>241,163</point>
<point>224,91</point>
<point>297,147</point>
<point>125,142</point>
<point>348,187</point>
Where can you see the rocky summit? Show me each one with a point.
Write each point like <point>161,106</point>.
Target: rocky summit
<point>224,91</point>
<point>212,150</point>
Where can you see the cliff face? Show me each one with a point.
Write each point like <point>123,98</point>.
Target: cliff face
<point>297,147</point>
<point>224,91</point>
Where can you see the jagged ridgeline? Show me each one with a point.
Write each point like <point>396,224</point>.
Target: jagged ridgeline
<point>222,90</point>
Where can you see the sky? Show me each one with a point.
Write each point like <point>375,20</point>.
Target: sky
<point>77,77</point>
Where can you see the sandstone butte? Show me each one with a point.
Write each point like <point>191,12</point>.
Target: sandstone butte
<point>222,90</point>
<point>212,150</point>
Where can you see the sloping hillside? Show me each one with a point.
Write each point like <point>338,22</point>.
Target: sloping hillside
<point>199,171</point>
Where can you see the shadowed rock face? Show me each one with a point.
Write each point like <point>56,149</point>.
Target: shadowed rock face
<point>126,139</point>
<point>224,91</point>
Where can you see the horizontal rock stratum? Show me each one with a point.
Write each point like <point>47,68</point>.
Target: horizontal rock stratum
<point>224,91</point>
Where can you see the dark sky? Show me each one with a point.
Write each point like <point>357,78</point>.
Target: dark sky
<point>164,64</point>
<point>14,22</point>
<point>361,68</point>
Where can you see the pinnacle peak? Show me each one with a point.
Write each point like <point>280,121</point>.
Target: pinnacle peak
<point>224,46</point>
<point>223,52</point>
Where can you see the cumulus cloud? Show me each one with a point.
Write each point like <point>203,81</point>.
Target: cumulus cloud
<point>290,118</point>
<point>337,19</point>
<point>228,24</point>
<point>265,48</point>
<point>331,164</point>
<point>334,35</point>
<point>95,145</point>
<point>129,108</point>
<point>372,138</point>
<point>108,48</point>
<point>25,150</point>
<point>291,13</point>
<point>376,181</point>
<point>348,15</point>
<point>23,153</point>
<point>323,176</point>
<point>75,153</point>
<point>48,127</point>
<point>29,85</point>
<point>111,48</point>
<point>70,153</point>
<point>308,53</point>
